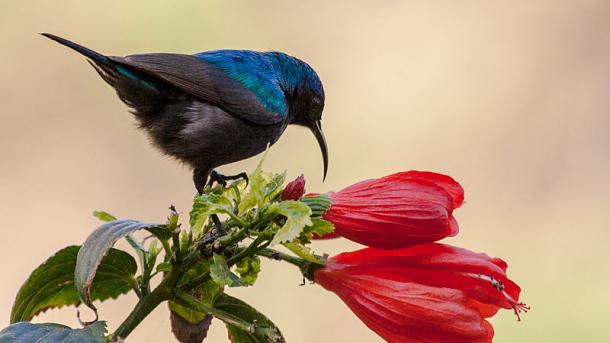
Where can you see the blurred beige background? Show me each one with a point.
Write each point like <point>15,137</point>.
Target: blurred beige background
<point>512,98</point>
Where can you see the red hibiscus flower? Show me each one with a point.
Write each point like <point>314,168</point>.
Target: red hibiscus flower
<point>425,293</point>
<point>396,211</point>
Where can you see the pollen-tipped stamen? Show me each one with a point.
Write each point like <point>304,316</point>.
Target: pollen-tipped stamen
<point>518,307</point>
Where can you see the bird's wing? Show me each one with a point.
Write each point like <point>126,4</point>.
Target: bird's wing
<point>207,82</point>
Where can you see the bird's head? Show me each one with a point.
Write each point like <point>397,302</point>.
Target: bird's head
<point>305,96</point>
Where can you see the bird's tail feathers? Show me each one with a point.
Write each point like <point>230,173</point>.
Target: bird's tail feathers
<point>94,56</point>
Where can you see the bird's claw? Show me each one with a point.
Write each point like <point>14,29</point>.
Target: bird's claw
<point>220,179</point>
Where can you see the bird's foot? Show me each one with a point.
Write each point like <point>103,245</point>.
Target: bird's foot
<point>211,237</point>
<point>220,179</point>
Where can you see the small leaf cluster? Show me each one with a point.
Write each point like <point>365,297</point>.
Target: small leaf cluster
<point>230,228</point>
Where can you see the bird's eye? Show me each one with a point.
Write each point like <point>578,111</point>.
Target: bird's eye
<point>316,102</point>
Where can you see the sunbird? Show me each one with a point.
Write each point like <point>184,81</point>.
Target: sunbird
<point>214,107</point>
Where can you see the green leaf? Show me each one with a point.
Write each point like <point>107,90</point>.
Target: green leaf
<point>205,293</point>
<point>256,193</point>
<point>94,249</point>
<point>297,218</point>
<point>51,285</point>
<point>248,269</point>
<point>139,249</point>
<point>262,329</point>
<point>320,227</point>
<point>222,275</point>
<point>203,206</point>
<point>274,187</point>
<point>103,216</point>
<point>164,267</point>
<point>303,252</point>
<point>25,332</point>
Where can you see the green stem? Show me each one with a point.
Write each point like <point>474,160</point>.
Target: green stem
<point>195,282</point>
<point>245,252</point>
<point>167,249</point>
<point>278,255</point>
<point>176,244</point>
<point>237,219</point>
<point>238,236</point>
<point>148,303</point>
<point>248,251</point>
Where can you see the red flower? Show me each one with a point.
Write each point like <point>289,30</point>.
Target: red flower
<point>396,211</point>
<point>425,293</point>
<point>295,189</point>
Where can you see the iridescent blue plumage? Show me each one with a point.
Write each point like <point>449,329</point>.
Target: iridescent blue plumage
<point>255,71</point>
<point>269,75</point>
<point>214,107</point>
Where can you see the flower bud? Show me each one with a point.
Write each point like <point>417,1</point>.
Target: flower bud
<point>396,211</point>
<point>295,189</point>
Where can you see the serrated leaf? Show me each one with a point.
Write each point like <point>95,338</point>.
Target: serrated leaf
<point>320,227</point>
<point>205,205</point>
<point>297,218</point>
<point>256,193</point>
<point>96,246</point>
<point>248,269</point>
<point>303,252</point>
<point>222,275</point>
<point>25,332</point>
<point>263,330</point>
<point>51,285</point>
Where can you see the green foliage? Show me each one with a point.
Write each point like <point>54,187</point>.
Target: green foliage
<point>256,194</point>
<point>51,285</point>
<point>104,216</point>
<point>222,275</point>
<point>206,293</point>
<point>298,216</point>
<point>195,268</point>
<point>93,250</point>
<point>261,329</point>
<point>24,332</point>
<point>248,269</point>
<point>206,204</point>
<point>274,186</point>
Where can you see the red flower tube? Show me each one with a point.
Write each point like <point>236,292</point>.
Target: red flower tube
<point>425,293</point>
<point>396,211</point>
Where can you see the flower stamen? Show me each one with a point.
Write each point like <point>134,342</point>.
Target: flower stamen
<point>518,307</point>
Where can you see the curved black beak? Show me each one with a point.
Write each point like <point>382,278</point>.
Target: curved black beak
<point>317,131</point>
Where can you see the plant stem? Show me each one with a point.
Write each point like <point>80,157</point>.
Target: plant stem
<point>250,250</point>
<point>245,252</point>
<point>147,304</point>
<point>167,249</point>
<point>277,255</point>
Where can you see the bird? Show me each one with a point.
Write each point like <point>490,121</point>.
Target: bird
<point>216,107</point>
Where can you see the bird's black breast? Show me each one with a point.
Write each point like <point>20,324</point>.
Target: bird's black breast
<point>206,136</point>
